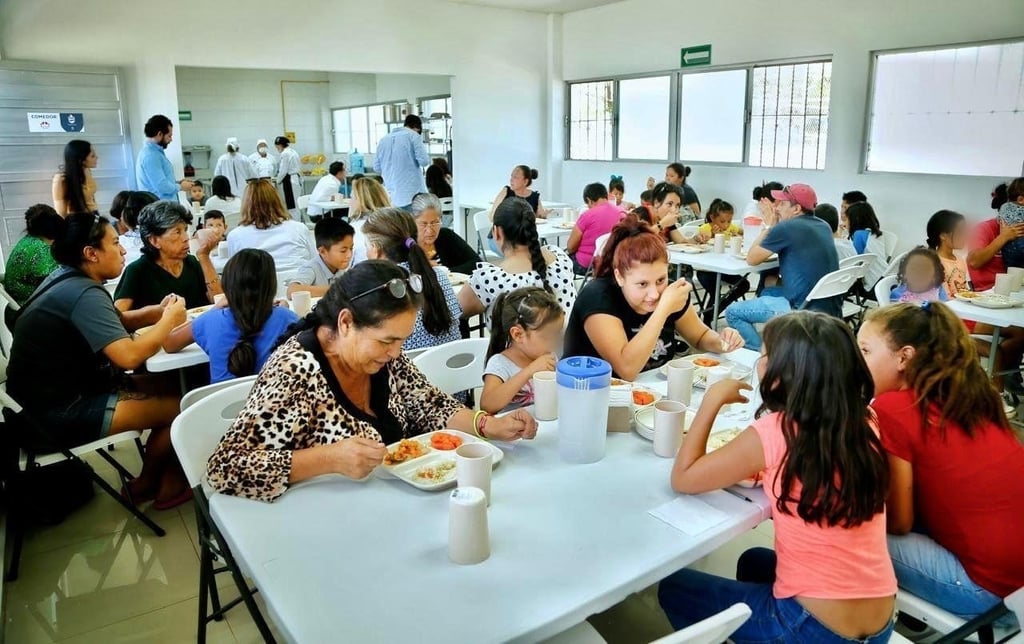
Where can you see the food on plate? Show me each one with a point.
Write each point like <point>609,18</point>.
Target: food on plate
<point>615,382</point>
<point>642,397</point>
<point>967,295</point>
<point>718,440</point>
<point>436,473</point>
<point>445,441</point>
<point>706,362</point>
<point>406,451</point>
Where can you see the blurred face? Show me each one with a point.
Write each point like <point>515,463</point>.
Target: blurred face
<point>844,221</point>
<point>958,238</point>
<point>279,147</point>
<point>370,349</point>
<point>615,196</point>
<point>108,258</point>
<point>537,342</point>
<point>920,274</point>
<point>218,226</point>
<point>642,285</point>
<point>262,150</point>
<point>196,193</point>
<point>428,225</point>
<point>338,256</point>
<point>672,177</point>
<point>518,180</point>
<point>670,206</point>
<point>173,244</point>
<point>842,208</point>
<point>91,160</point>
<point>886,365</point>
<point>164,138</point>
<point>787,209</point>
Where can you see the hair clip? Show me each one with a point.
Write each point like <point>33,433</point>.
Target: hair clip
<point>926,305</point>
<point>616,177</point>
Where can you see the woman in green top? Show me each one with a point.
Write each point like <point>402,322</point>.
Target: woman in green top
<point>30,260</point>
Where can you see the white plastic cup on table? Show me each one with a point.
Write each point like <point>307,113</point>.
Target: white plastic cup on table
<point>218,298</point>
<point>736,244</point>
<point>473,462</point>
<point>669,419</point>
<point>720,243</point>
<point>1004,284</point>
<point>469,540</point>
<point>1018,273</point>
<point>302,302</point>
<point>222,249</point>
<point>680,380</point>
<point>197,208</point>
<point>193,246</point>
<point>584,386</point>
<point>545,395</point>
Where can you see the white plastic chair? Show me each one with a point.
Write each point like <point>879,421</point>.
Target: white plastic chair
<point>447,211</point>
<point>690,229</point>
<point>884,288</point>
<point>712,630</point>
<point>196,395</point>
<point>302,204</point>
<point>282,282</point>
<point>456,366</point>
<point>195,434</point>
<point>891,240</point>
<point>599,245</point>
<point>946,622</point>
<point>184,200</point>
<point>833,284</point>
<point>482,224</point>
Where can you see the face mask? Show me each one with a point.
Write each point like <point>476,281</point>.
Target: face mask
<point>262,150</point>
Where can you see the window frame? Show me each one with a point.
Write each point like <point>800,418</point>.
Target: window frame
<point>675,101</point>
<point>868,106</point>
<point>369,125</point>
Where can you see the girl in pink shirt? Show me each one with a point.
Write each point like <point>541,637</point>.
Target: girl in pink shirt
<point>830,578</point>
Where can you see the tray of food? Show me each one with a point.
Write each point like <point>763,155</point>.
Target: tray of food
<point>989,300</point>
<point>192,314</point>
<point>704,361</point>
<point>566,225</point>
<point>427,461</point>
<point>692,249</point>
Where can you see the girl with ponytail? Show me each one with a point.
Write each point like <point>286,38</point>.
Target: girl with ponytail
<point>391,235</point>
<point>954,460</point>
<point>525,263</point>
<point>240,333</point>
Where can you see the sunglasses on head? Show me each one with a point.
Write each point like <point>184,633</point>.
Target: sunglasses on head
<point>398,287</point>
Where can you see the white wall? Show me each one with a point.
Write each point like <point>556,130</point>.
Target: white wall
<point>246,103</point>
<point>499,74</point>
<point>352,89</point>
<point>408,87</point>
<point>742,31</point>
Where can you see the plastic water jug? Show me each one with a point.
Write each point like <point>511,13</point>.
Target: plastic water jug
<point>356,164</point>
<point>751,229</point>
<point>583,388</point>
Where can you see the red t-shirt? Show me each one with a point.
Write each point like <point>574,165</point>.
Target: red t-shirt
<point>968,492</point>
<point>984,234</point>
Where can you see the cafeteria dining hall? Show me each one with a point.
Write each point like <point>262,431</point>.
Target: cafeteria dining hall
<point>530,321</point>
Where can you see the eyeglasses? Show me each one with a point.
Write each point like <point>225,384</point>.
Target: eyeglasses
<point>396,286</point>
<point>429,225</point>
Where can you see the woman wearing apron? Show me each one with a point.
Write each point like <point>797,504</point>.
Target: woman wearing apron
<point>289,175</point>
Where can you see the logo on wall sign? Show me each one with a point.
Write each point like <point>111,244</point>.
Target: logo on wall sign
<point>56,122</point>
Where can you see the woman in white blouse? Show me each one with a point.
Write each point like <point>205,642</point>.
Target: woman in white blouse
<point>266,225</point>
<point>525,263</point>
<point>289,175</point>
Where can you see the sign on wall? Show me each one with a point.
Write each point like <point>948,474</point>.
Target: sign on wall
<point>694,56</point>
<point>184,115</point>
<point>56,122</point>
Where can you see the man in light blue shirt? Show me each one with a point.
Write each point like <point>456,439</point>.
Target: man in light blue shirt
<point>400,157</point>
<point>153,170</point>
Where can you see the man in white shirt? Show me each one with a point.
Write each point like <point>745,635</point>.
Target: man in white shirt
<point>325,189</point>
<point>401,157</point>
<point>263,164</point>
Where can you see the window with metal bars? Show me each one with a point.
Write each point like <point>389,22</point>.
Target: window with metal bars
<point>789,108</point>
<point>591,120</point>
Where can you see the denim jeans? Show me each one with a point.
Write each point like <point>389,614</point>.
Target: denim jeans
<point>689,596</point>
<point>742,316</point>
<point>926,569</point>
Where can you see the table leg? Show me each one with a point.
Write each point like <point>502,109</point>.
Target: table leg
<point>992,351</point>
<point>181,382</point>
<point>718,299</point>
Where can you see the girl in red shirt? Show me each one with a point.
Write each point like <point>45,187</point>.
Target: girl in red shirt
<point>956,499</point>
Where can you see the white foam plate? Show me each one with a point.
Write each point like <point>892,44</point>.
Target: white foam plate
<point>441,463</point>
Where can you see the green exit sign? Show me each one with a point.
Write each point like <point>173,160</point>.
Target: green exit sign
<point>694,56</point>
<point>184,115</point>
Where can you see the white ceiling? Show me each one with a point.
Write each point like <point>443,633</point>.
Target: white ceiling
<point>544,6</point>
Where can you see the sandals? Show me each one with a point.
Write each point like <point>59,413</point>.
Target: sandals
<point>166,504</point>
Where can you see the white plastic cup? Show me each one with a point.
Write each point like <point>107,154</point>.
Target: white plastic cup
<point>1019,274</point>
<point>720,243</point>
<point>669,417</point>
<point>473,462</point>
<point>1004,284</point>
<point>680,380</point>
<point>545,395</point>
<point>469,540</point>
<point>197,208</point>
<point>193,246</point>
<point>302,302</point>
<point>222,249</point>
<point>736,244</point>
<point>218,298</point>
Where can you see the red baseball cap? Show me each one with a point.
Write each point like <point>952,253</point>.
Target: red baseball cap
<point>799,193</point>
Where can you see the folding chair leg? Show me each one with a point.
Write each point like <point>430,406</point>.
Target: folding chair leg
<point>157,530</point>
<point>17,525</point>
<point>121,470</point>
<point>205,582</point>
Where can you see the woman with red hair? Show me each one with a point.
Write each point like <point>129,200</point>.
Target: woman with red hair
<point>629,314</point>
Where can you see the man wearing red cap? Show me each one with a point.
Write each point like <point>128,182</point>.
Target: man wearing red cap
<point>806,253</point>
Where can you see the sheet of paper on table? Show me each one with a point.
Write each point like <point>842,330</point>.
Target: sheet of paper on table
<point>688,514</point>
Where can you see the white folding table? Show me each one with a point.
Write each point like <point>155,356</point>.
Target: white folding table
<point>720,264</point>
<point>338,560</point>
<point>998,318</point>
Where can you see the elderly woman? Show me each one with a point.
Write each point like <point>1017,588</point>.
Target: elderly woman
<point>266,225</point>
<point>70,348</point>
<point>443,246</point>
<point>357,393</point>
<point>629,314</point>
<point>166,267</point>
<point>30,260</point>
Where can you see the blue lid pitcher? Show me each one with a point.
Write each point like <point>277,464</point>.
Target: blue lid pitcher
<point>583,388</point>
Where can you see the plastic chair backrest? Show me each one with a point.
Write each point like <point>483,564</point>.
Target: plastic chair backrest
<point>690,229</point>
<point>482,224</point>
<point>447,206</point>
<point>6,337</point>
<point>184,200</point>
<point>599,245</point>
<point>1015,602</point>
<point>862,262</point>
<point>891,240</point>
<point>196,395</point>
<point>712,630</point>
<point>884,288</point>
<point>282,282</point>
<point>303,202</point>
<point>197,430</point>
<point>834,283</point>
<point>455,366</point>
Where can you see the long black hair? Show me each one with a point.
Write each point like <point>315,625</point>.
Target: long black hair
<point>862,217</point>
<point>221,187</point>
<point>529,307</point>
<point>133,205</point>
<point>250,283</point>
<point>817,380</point>
<point>764,191</point>
<point>368,311</point>
<point>393,231</point>
<point>942,222</point>
<point>436,182</point>
<point>75,153</point>
<point>518,225</point>
<point>78,231</point>
<point>717,207</point>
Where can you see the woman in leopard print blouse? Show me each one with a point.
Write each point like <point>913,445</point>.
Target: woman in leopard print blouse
<point>332,395</point>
